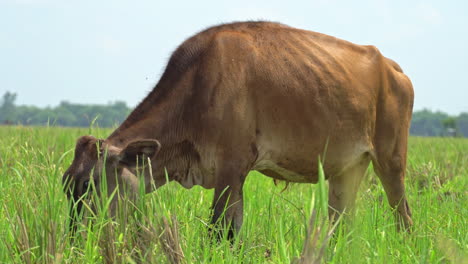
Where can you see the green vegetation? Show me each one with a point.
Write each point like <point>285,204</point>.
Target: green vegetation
<point>171,223</point>
<point>424,123</point>
<point>65,114</point>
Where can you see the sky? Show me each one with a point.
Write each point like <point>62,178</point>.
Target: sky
<point>105,51</point>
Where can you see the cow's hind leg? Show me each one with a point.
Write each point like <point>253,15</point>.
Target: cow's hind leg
<point>344,187</point>
<point>390,166</point>
<point>393,118</point>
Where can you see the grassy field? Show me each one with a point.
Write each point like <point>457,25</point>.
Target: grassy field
<point>171,223</point>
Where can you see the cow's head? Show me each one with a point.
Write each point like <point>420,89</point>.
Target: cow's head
<point>95,158</point>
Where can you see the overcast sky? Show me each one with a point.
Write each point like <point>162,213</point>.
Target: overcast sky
<point>104,51</point>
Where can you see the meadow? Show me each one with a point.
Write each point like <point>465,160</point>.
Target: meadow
<point>170,225</point>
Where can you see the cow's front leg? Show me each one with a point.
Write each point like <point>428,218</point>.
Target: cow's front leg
<point>228,202</point>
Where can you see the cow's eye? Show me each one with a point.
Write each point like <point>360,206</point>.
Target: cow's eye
<point>85,185</point>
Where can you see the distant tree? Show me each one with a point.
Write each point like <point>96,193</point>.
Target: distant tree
<point>26,115</point>
<point>450,125</point>
<point>462,124</point>
<point>65,116</point>
<point>7,108</point>
<point>428,123</point>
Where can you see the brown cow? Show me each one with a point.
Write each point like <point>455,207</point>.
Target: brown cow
<point>262,96</point>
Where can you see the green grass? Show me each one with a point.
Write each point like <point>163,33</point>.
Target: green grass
<point>34,213</point>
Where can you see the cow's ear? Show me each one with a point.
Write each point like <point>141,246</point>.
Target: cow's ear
<point>137,152</point>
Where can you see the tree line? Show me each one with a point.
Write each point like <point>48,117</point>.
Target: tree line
<point>424,123</point>
<point>65,114</point>
<point>428,123</point>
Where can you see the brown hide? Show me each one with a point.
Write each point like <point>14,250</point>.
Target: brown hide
<point>264,96</point>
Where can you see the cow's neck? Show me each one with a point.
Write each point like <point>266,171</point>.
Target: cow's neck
<point>158,123</point>
<point>160,117</point>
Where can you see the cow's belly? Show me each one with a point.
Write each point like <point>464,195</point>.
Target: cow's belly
<point>273,170</point>
<point>300,163</point>
<point>307,173</point>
